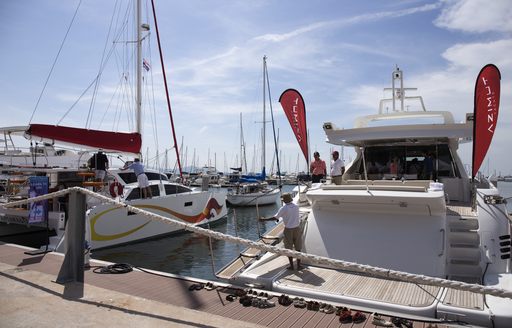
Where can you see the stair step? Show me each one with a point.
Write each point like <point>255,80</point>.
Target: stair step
<point>463,224</point>
<point>464,270</point>
<point>465,261</point>
<point>465,253</point>
<point>458,239</point>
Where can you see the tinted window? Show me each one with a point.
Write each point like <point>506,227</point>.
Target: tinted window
<point>175,189</point>
<point>135,193</point>
<point>128,177</point>
<point>156,176</point>
<point>155,190</point>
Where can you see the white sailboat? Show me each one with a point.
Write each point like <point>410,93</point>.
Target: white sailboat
<point>254,190</point>
<point>400,225</point>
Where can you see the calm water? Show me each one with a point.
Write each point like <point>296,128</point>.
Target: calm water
<point>188,254</point>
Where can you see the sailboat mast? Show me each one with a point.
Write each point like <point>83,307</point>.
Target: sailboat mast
<point>241,141</point>
<point>166,89</point>
<point>264,118</point>
<point>138,99</point>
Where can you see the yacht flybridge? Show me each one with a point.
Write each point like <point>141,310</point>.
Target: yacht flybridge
<point>406,205</point>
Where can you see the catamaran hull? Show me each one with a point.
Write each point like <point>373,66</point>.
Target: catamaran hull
<point>110,226</point>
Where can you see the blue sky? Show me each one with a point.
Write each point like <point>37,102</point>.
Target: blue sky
<point>338,54</point>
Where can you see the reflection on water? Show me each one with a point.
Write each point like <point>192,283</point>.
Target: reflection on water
<point>188,254</point>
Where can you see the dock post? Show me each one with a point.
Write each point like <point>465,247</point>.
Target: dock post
<point>72,269</point>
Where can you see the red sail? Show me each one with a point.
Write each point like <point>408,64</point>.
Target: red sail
<point>485,119</point>
<point>105,140</point>
<point>294,108</point>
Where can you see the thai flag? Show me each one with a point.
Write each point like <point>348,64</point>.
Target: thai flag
<point>146,65</point>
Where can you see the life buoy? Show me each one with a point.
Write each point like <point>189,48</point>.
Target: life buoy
<point>116,189</point>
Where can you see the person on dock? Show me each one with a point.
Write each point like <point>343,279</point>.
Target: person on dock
<point>337,168</point>
<point>289,212</point>
<point>317,168</point>
<point>142,178</point>
<point>99,162</point>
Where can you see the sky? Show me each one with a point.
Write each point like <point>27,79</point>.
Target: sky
<point>338,54</point>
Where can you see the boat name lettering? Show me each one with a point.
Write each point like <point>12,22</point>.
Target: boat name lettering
<point>295,119</point>
<point>491,106</point>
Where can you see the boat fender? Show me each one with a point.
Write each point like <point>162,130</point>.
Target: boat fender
<point>116,189</point>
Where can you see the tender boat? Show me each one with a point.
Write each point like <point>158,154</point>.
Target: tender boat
<point>420,215</point>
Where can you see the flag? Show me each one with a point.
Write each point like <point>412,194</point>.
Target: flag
<point>485,117</point>
<point>146,65</point>
<point>295,110</point>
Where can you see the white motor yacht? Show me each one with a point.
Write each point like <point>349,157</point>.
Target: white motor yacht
<point>405,204</point>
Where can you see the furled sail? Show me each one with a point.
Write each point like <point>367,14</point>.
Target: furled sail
<point>485,118</point>
<point>105,140</point>
<point>293,105</point>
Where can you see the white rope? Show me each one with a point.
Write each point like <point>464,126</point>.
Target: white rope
<point>320,260</point>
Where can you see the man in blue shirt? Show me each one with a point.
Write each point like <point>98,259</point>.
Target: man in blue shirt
<point>142,178</point>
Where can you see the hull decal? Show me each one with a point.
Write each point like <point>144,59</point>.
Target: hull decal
<point>206,213</point>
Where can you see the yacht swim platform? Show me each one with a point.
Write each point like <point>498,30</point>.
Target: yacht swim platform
<point>338,286</point>
<point>138,298</point>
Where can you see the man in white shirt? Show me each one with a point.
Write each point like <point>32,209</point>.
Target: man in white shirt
<point>289,212</point>
<point>337,168</point>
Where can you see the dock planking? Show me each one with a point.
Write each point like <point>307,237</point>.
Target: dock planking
<point>171,289</point>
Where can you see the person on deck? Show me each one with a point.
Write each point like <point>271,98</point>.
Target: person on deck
<point>337,168</point>
<point>142,178</point>
<point>317,168</point>
<point>99,162</point>
<point>289,212</point>
<point>428,167</point>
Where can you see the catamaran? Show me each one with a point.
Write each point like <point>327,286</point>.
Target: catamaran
<point>108,224</point>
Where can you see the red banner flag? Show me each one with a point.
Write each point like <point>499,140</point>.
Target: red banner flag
<point>295,110</point>
<point>485,118</point>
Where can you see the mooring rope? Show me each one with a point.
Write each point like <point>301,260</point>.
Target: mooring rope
<point>319,260</point>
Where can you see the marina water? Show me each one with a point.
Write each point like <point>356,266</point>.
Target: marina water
<point>188,254</point>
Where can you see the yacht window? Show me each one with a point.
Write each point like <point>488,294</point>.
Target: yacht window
<point>176,189</point>
<point>156,176</point>
<point>135,193</point>
<point>407,161</point>
<point>128,177</point>
<point>155,190</point>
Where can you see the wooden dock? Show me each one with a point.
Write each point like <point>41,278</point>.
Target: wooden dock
<point>200,308</point>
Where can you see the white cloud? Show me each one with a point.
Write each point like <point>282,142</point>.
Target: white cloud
<point>369,17</point>
<point>479,54</point>
<point>476,16</point>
